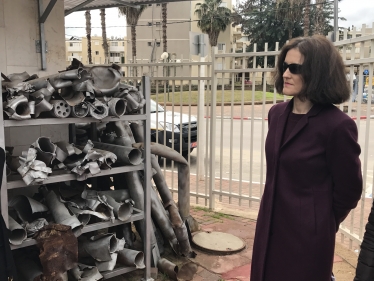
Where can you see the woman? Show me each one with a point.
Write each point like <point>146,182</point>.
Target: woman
<point>313,172</point>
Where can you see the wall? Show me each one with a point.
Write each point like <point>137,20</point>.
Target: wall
<point>18,31</point>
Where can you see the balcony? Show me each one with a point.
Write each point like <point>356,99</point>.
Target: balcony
<point>117,49</point>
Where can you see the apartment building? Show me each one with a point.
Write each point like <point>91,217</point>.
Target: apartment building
<point>181,20</point>
<point>76,47</point>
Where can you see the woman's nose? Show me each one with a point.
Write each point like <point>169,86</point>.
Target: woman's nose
<point>287,73</point>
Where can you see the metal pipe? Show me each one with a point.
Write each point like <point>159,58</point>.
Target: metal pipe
<point>336,22</point>
<point>135,187</point>
<point>177,218</point>
<point>163,222</point>
<point>17,232</point>
<point>130,257</point>
<point>125,154</point>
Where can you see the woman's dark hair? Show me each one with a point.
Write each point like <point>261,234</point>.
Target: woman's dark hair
<point>323,70</point>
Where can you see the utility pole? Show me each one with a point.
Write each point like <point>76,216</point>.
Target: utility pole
<point>336,26</point>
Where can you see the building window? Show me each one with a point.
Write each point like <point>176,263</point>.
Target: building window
<point>221,46</point>
<point>114,54</point>
<point>149,4</point>
<point>149,24</point>
<point>71,44</point>
<point>114,44</point>
<point>123,43</point>
<point>96,53</point>
<point>72,54</point>
<point>97,43</point>
<point>158,23</point>
<point>158,44</point>
<point>158,4</point>
<point>149,44</point>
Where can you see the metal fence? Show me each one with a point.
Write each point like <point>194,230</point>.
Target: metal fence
<point>230,97</point>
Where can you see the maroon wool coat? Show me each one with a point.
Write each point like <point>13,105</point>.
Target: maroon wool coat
<point>313,180</point>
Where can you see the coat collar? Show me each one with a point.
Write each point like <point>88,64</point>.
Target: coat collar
<point>282,120</point>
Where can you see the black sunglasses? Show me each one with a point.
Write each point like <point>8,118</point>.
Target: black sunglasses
<point>293,67</point>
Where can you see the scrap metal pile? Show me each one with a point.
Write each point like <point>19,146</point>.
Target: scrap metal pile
<point>77,92</point>
<point>77,204</point>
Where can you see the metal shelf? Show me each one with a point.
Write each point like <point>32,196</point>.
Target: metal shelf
<point>15,181</point>
<point>137,215</point>
<point>57,121</point>
<point>117,271</point>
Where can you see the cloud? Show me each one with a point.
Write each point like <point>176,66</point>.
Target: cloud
<point>75,23</point>
<point>357,12</point>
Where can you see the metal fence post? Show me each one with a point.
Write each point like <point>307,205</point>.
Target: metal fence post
<point>212,147</point>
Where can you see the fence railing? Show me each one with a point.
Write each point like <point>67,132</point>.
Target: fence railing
<point>228,98</point>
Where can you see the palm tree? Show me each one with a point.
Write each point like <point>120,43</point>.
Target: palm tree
<point>103,30</point>
<point>88,34</point>
<point>164,27</point>
<point>212,18</point>
<point>132,16</point>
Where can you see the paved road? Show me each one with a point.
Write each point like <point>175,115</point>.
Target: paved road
<point>232,135</point>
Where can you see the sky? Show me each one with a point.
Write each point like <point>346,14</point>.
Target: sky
<point>357,12</point>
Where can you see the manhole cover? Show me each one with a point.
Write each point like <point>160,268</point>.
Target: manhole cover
<point>218,242</point>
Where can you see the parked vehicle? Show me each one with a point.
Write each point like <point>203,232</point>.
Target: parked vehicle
<point>163,122</point>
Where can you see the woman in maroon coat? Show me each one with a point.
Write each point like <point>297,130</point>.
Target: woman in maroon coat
<point>313,176</point>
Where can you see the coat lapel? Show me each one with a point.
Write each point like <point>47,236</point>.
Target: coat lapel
<point>302,122</point>
<point>282,119</point>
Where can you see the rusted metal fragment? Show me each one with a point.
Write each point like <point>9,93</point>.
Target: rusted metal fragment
<point>58,250</point>
<point>107,265</point>
<point>169,268</point>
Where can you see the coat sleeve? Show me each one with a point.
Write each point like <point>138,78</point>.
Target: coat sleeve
<point>343,160</point>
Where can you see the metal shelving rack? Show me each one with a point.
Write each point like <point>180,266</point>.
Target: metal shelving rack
<point>59,176</point>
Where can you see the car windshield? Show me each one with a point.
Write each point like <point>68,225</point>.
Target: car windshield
<point>155,107</point>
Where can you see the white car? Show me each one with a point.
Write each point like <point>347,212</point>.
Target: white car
<point>163,122</point>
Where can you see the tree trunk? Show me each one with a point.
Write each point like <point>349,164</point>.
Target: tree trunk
<point>105,41</point>
<point>88,33</point>
<point>133,40</point>
<point>306,17</point>
<point>319,18</point>
<point>290,29</point>
<point>164,26</point>
<point>213,37</point>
